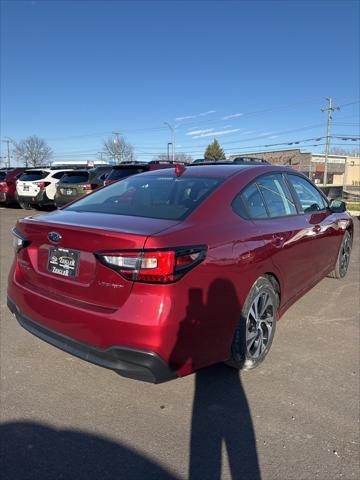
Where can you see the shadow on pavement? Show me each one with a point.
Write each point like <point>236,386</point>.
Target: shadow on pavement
<point>221,414</point>
<point>31,451</point>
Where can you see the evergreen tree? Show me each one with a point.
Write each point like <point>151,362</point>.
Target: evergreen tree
<point>214,152</point>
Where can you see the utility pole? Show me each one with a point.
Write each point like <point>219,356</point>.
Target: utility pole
<point>117,146</point>
<point>173,140</point>
<point>329,109</point>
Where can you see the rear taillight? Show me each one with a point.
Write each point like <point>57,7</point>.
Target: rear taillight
<point>19,241</point>
<point>160,266</point>
<point>3,185</point>
<point>42,185</point>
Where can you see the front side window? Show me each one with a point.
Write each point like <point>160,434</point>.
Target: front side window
<point>160,196</point>
<point>276,195</point>
<point>309,198</point>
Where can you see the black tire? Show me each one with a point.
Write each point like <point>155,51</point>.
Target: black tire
<point>25,206</point>
<point>254,334</point>
<point>343,259</point>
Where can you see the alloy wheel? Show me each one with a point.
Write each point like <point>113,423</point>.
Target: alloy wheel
<point>259,325</point>
<point>345,255</point>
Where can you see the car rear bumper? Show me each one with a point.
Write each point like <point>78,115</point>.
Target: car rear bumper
<point>40,199</point>
<point>128,362</point>
<point>61,201</point>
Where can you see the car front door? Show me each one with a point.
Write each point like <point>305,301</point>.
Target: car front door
<point>320,223</point>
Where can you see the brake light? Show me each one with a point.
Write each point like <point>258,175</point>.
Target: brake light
<point>42,185</point>
<point>3,185</point>
<point>88,187</point>
<point>19,241</point>
<point>161,266</point>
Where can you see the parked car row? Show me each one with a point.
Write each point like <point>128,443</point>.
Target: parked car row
<point>51,187</point>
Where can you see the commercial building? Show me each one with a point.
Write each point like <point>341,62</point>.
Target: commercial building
<point>343,170</point>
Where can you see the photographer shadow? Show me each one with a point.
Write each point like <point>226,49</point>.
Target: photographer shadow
<point>221,414</point>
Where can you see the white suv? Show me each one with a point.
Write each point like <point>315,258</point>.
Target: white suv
<point>36,187</point>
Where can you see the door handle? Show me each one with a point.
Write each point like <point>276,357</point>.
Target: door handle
<point>278,241</point>
<point>317,229</point>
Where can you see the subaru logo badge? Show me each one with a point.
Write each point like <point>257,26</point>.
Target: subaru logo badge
<point>54,237</point>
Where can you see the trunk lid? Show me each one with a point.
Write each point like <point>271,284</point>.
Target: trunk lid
<point>90,284</point>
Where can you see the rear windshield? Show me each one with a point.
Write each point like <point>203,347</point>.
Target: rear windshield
<point>2,175</point>
<point>75,177</point>
<point>123,172</point>
<point>163,197</point>
<point>33,175</point>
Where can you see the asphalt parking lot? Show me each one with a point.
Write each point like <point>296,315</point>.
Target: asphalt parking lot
<point>294,417</point>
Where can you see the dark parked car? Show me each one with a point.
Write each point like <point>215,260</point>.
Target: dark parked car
<point>78,183</point>
<point>169,271</point>
<point>8,185</point>
<point>124,170</point>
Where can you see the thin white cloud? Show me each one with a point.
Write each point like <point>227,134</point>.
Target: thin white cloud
<point>200,132</point>
<point>265,134</point>
<point>274,136</point>
<point>209,112</point>
<point>234,115</point>
<point>189,117</point>
<point>216,134</point>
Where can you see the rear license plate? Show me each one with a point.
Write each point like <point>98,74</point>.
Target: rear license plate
<point>26,188</point>
<point>63,261</point>
<point>68,191</point>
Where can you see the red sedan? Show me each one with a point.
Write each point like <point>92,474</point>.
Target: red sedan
<point>169,271</point>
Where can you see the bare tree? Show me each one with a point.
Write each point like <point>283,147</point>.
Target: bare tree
<point>118,150</point>
<point>179,157</point>
<point>351,152</point>
<point>33,151</point>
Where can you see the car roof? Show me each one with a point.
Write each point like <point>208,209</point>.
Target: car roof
<point>223,170</point>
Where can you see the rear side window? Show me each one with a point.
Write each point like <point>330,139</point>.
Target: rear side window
<point>75,177</point>
<point>33,175</point>
<point>276,195</point>
<point>150,196</point>
<point>309,198</point>
<point>118,173</point>
<point>250,203</point>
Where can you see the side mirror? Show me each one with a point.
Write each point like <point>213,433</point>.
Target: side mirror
<point>337,206</point>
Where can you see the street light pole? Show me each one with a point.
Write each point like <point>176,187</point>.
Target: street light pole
<point>168,155</point>
<point>7,141</point>
<point>117,143</point>
<point>173,140</point>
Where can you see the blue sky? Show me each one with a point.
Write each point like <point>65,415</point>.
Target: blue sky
<point>248,73</point>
